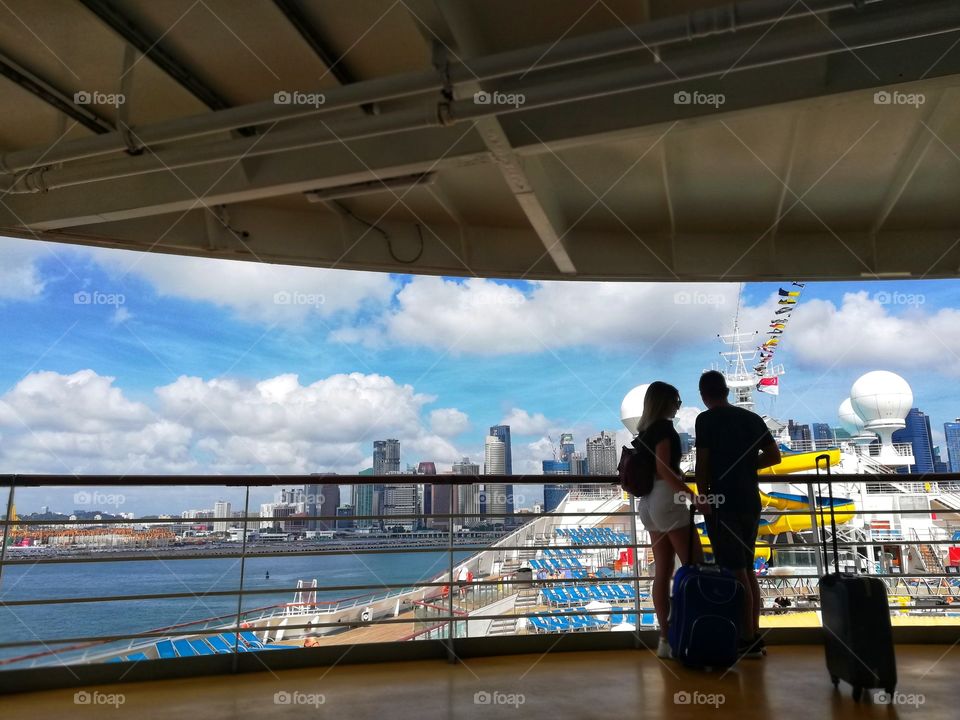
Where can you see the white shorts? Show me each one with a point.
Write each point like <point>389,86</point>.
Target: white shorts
<point>660,512</point>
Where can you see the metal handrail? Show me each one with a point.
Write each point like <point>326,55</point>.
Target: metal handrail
<point>14,481</point>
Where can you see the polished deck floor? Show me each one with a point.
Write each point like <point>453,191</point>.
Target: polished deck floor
<point>790,682</point>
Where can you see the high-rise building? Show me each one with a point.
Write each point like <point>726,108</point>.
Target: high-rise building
<point>939,465</point>
<point>686,442</point>
<point>567,447</point>
<point>345,517</point>
<point>364,501</point>
<point>222,510</point>
<point>441,495</point>
<point>578,464</point>
<point>400,499</point>
<point>468,496</point>
<point>919,434</point>
<point>319,499</point>
<point>800,434</point>
<point>602,454</point>
<point>552,492</point>
<point>386,457</point>
<point>951,431</point>
<point>502,433</point>
<point>822,436</point>
<point>494,462</point>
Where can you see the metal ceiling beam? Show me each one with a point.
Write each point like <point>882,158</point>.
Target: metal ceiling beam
<point>313,38</point>
<point>151,48</point>
<point>544,214</point>
<point>43,90</point>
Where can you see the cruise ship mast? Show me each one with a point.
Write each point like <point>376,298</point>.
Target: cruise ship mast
<point>738,367</point>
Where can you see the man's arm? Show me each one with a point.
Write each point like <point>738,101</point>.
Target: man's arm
<point>769,453</point>
<point>702,475</point>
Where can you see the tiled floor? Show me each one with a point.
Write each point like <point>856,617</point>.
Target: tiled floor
<point>791,682</point>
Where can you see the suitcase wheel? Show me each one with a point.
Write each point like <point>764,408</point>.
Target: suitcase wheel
<point>857,693</point>
<point>836,682</point>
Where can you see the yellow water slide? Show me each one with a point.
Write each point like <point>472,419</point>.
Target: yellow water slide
<point>843,508</point>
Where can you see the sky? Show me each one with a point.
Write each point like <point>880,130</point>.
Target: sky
<point>123,362</point>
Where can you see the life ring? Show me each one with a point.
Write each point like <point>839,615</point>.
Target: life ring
<point>366,615</point>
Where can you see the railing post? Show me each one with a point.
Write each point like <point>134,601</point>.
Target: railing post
<point>820,533</point>
<point>6,529</point>
<point>451,655</point>
<point>636,568</point>
<point>243,562</point>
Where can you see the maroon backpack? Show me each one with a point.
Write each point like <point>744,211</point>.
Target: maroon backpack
<point>637,468</point>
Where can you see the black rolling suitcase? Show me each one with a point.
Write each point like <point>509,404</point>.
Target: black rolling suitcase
<point>856,623</point>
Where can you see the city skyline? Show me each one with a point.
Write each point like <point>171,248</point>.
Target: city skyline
<point>180,370</point>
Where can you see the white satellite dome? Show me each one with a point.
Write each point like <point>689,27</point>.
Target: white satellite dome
<point>881,398</point>
<point>849,419</point>
<point>632,408</point>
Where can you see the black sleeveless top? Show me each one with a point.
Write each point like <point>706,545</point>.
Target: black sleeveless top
<point>660,430</point>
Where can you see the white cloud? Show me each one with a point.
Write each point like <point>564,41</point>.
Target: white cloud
<point>19,275</point>
<point>83,423</point>
<point>255,291</point>
<point>687,418</point>
<point>448,422</point>
<point>863,331</point>
<point>487,317</point>
<point>523,423</point>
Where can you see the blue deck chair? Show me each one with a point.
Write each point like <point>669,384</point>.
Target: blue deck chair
<point>184,648</point>
<point>201,647</point>
<point>137,656</point>
<point>165,649</point>
<point>219,645</point>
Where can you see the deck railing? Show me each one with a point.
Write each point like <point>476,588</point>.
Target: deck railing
<point>613,567</point>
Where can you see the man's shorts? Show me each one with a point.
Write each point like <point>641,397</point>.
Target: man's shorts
<point>733,538</point>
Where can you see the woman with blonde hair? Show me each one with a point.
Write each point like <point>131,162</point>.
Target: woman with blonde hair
<point>664,512</point>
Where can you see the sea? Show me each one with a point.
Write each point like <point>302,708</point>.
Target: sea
<point>196,576</point>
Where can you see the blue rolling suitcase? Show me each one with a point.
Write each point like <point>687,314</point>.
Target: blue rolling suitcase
<point>705,614</point>
<point>856,624</point>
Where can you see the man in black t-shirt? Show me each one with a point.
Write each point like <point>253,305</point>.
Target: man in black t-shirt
<point>732,444</point>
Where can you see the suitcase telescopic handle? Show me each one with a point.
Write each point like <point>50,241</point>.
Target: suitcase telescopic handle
<point>833,520</point>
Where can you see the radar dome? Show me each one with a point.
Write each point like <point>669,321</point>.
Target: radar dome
<point>849,419</point>
<point>880,398</point>
<point>632,407</point>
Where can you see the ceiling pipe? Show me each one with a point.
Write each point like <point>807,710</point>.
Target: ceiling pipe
<point>905,23</point>
<point>665,31</point>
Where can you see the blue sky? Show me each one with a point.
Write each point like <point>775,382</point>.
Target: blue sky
<point>551,356</point>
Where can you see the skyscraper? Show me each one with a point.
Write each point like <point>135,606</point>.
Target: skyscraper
<point>502,433</point>
<point>386,457</point>
<point>222,510</point>
<point>553,493</point>
<point>567,448</point>
<point>602,454</point>
<point>918,433</point>
<point>364,497</point>
<point>400,499</point>
<point>952,432</point>
<point>822,436</point>
<point>319,499</point>
<point>799,434</point>
<point>468,496</point>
